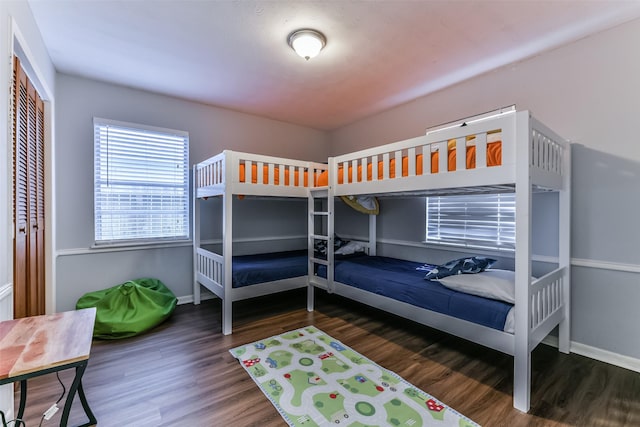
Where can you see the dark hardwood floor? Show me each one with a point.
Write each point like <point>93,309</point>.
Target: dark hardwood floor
<point>181,373</point>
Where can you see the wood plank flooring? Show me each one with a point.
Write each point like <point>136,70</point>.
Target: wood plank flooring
<point>182,372</point>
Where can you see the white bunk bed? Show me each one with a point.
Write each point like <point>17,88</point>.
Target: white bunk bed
<point>533,158</point>
<point>230,174</point>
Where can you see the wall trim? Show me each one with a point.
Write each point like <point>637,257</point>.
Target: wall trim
<point>599,354</point>
<point>605,265</point>
<point>100,250</point>
<point>576,262</point>
<point>395,242</point>
<point>424,245</point>
<point>6,290</point>
<point>255,239</point>
<point>106,249</point>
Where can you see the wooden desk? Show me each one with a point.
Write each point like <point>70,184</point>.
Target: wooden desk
<point>39,345</point>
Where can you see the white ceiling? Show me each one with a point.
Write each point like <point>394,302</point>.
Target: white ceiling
<point>379,54</point>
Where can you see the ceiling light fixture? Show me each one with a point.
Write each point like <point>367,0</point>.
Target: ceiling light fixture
<point>306,42</point>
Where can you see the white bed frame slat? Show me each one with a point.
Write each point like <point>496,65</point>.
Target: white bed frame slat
<point>398,158</point>
<point>481,150</point>
<point>426,160</point>
<point>461,148</point>
<point>374,168</point>
<point>443,157</point>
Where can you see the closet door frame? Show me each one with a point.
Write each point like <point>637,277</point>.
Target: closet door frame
<point>20,191</point>
<point>28,196</point>
<point>42,75</point>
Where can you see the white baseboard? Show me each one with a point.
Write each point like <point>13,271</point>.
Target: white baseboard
<point>186,299</point>
<point>595,353</point>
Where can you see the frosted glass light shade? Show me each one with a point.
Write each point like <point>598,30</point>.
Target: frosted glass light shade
<point>307,43</point>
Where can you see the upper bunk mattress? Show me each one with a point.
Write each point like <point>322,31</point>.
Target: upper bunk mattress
<point>260,268</point>
<point>399,279</point>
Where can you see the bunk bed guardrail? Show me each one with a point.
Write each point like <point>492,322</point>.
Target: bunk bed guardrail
<point>210,271</point>
<point>547,303</point>
<point>254,174</point>
<point>415,164</point>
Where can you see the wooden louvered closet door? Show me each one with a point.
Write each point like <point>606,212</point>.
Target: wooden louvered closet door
<point>28,197</point>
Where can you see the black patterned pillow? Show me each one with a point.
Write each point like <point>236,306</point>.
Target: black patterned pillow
<point>320,246</point>
<point>467,265</point>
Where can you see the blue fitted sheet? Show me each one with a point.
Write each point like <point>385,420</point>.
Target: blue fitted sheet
<point>260,268</point>
<point>398,279</point>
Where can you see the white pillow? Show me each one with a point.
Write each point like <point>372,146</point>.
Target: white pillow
<point>491,283</point>
<point>350,248</point>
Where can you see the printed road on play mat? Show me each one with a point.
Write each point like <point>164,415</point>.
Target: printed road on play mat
<point>314,380</point>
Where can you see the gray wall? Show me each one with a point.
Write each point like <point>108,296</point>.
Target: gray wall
<point>81,269</point>
<point>588,92</point>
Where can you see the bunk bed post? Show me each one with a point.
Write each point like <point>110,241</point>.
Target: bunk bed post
<point>196,235</point>
<point>310,249</point>
<point>521,352</point>
<point>373,238</point>
<point>227,248</point>
<point>564,249</point>
<point>331,234</point>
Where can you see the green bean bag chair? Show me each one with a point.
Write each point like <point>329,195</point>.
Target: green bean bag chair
<point>130,308</point>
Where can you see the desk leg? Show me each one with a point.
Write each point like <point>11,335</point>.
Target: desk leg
<point>23,399</point>
<point>87,410</point>
<point>77,386</point>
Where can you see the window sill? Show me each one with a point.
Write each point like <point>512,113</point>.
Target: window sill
<point>505,252</point>
<point>141,244</point>
<point>122,247</point>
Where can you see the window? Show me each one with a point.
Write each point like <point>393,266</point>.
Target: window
<point>141,187</point>
<point>479,220</point>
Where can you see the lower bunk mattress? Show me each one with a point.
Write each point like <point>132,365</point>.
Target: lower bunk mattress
<point>400,280</point>
<point>260,268</point>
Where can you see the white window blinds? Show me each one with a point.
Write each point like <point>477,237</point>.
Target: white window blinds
<point>479,220</point>
<point>141,187</point>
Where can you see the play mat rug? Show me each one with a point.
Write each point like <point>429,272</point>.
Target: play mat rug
<point>315,380</point>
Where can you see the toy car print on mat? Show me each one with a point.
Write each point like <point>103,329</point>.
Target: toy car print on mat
<point>314,380</point>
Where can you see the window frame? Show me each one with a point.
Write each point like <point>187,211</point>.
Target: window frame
<point>184,180</point>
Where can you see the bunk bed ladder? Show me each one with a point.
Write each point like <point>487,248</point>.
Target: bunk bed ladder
<point>320,228</point>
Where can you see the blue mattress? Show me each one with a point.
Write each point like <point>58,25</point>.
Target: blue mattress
<point>399,279</point>
<point>260,268</point>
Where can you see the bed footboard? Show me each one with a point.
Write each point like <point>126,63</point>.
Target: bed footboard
<point>209,271</point>
<point>547,304</point>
